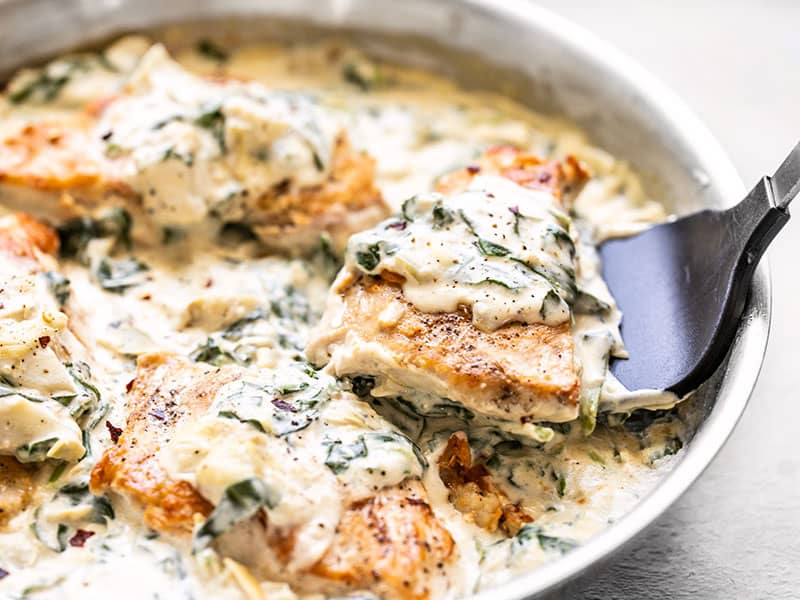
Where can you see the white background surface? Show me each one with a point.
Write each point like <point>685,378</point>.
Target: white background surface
<point>736,533</point>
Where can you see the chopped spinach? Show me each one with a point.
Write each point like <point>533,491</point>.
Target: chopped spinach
<point>75,234</point>
<point>78,493</point>
<point>210,352</point>
<point>562,238</point>
<point>442,216</point>
<point>229,414</point>
<point>340,454</point>
<point>551,302</point>
<point>43,88</point>
<point>362,386</point>
<point>8,388</point>
<point>364,75</point>
<point>467,221</point>
<point>562,485</point>
<point>34,451</point>
<point>369,257</point>
<point>88,395</point>
<point>211,50</point>
<point>54,538</point>
<point>213,120</point>
<point>589,304</point>
<point>669,448</point>
<point>241,501</point>
<point>117,275</point>
<point>58,285</point>
<point>57,472</point>
<point>548,543</point>
<point>638,421</point>
<point>331,261</point>
<point>407,209</point>
<point>488,248</point>
<point>185,158</point>
<point>292,388</point>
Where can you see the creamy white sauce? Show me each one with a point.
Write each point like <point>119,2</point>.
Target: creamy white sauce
<point>227,304</point>
<point>191,147</point>
<point>498,248</point>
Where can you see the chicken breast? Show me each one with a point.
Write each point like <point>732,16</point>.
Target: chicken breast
<point>521,370</point>
<point>17,488</point>
<point>223,150</point>
<point>562,179</point>
<point>515,371</point>
<point>389,543</point>
<point>166,393</point>
<point>34,342</point>
<point>28,246</point>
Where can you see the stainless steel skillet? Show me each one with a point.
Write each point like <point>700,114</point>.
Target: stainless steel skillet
<point>526,52</point>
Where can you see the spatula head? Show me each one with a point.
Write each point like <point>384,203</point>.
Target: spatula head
<point>682,287</point>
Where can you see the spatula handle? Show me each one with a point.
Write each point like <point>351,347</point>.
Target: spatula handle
<point>786,180</point>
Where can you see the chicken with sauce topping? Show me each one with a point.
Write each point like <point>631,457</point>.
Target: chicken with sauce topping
<point>185,150</point>
<point>466,296</point>
<point>383,538</point>
<point>45,395</point>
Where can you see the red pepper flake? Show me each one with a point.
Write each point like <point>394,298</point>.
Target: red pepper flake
<point>80,537</point>
<point>4,573</point>
<point>44,340</point>
<point>114,432</point>
<point>544,177</point>
<point>283,405</point>
<point>472,169</point>
<point>129,385</point>
<point>145,297</point>
<point>158,414</point>
<point>209,282</point>
<point>400,225</point>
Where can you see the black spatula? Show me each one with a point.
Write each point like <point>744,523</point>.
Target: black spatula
<point>682,286</point>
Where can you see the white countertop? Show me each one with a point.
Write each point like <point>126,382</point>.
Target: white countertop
<point>736,533</point>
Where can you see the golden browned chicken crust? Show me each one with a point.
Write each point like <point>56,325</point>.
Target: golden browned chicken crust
<point>63,173</point>
<point>167,392</point>
<point>17,488</point>
<point>563,179</point>
<point>390,543</point>
<point>52,156</point>
<point>28,240</point>
<point>515,370</point>
<point>519,371</point>
<point>473,491</point>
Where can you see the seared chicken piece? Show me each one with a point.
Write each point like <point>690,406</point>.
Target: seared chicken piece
<point>515,370</point>
<point>34,342</point>
<point>58,165</point>
<point>27,245</point>
<point>562,179</point>
<point>519,371</point>
<point>232,151</point>
<point>17,488</point>
<point>474,493</point>
<point>389,543</point>
<point>166,393</point>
